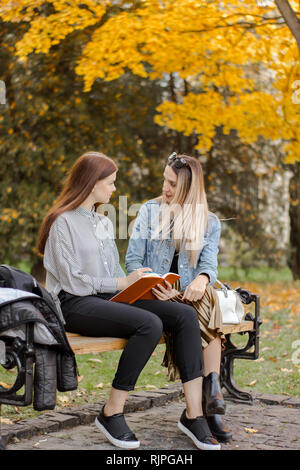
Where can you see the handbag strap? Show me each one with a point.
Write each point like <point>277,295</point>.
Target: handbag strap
<point>225,290</point>
<point>221,284</point>
<point>223,287</point>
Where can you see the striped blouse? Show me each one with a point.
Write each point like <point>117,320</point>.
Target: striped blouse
<point>81,256</point>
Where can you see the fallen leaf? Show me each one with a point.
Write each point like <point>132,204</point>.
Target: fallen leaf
<point>276,326</point>
<point>270,384</point>
<point>251,430</point>
<point>63,399</point>
<point>272,358</point>
<point>99,385</point>
<point>288,371</point>
<point>5,421</point>
<point>252,383</point>
<point>80,377</point>
<point>4,385</point>
<point>95,360</point>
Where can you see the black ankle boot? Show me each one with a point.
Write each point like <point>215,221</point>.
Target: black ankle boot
<point>218,428</point>
<point>212,395</point>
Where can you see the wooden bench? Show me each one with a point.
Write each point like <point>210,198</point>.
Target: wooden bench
<point>87,345</point>
<point>22,355</point>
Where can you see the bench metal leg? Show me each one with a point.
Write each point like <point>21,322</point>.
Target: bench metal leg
<point>233,352</point>
<point>227,369</point>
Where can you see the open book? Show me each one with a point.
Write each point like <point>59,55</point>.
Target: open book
<point>141,289</point>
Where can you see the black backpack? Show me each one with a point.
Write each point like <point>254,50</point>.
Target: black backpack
<point>17,279</point>
<point>14,278</point>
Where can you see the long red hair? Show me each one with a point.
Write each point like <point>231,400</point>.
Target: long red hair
<point>84,174</point>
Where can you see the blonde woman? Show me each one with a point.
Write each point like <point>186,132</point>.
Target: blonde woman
<point>176,233</point>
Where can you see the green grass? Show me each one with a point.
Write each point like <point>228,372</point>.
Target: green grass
<point>261,274</point>
<point>276,371</point>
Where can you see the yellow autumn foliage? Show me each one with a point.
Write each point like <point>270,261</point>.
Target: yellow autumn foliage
<point>240,58</point>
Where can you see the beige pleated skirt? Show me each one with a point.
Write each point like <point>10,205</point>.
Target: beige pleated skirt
<point>210,322</point>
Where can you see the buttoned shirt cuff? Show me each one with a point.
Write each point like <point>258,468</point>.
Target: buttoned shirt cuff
<point>107,285</point>
<point>132,267</point>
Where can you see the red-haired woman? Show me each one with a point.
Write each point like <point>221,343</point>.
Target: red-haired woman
<point>82,265</point>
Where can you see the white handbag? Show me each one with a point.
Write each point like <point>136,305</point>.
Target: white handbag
<point>230,304</point>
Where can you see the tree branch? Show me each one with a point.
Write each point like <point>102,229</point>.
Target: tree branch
<point>290,18</point>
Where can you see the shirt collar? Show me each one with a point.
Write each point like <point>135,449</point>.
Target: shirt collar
<point>86,212</point>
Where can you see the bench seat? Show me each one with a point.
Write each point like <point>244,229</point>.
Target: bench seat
<point>87,344</point>
<point>93,345</point>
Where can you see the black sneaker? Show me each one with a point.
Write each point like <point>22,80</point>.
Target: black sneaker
<point>116,430</point>
<point>197,429</point>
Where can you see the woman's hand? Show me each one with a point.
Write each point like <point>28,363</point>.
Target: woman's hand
<point>124,282</point>
<point>162,293</point>
<point>195,290</point>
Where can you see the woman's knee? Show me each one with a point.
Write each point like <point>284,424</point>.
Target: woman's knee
<point>187,315</point>
<point>152,326</point>
<point>156,327</point>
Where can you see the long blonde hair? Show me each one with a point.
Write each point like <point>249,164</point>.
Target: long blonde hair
<point>185,218</point>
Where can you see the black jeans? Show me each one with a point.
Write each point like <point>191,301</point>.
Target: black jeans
<point>142,323</point>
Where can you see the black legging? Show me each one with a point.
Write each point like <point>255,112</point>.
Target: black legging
<point>142,323</point>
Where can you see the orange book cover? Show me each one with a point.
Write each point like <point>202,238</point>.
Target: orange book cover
<point>141,289</point>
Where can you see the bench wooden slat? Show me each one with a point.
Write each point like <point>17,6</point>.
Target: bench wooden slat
<point>243,326</point>
<point>87,345</point>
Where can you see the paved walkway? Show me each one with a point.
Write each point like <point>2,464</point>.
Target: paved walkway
<point>271,423</point>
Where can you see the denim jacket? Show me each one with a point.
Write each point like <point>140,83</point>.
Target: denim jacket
<point>157,254</point>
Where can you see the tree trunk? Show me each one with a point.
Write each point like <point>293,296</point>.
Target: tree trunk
<point>290,18</point>
<point>294,261</point>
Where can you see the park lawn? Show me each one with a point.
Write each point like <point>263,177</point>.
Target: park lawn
<point>277,371</point>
